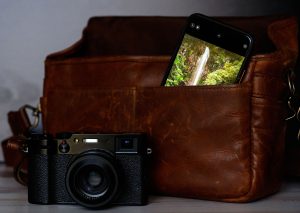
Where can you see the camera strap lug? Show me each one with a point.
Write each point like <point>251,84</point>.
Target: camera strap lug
<point>36,111</point>
<point>149,151</point>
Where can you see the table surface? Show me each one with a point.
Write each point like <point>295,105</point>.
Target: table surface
<point>13,198</point>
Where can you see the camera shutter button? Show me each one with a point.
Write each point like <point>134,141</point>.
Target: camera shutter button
<point>64,147</point>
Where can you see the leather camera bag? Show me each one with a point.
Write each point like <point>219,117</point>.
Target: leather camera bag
<point>222,142</point>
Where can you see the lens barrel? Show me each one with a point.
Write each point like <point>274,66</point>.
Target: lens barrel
<point>92,179</point>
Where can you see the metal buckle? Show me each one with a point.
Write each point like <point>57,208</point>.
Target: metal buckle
<point>35,113</point>
<point>291,81</point>
<point>291,84</point>
<point>292,100</point>
<point>291,107</point>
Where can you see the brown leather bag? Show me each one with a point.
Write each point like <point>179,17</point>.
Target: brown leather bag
<point>212,142</point>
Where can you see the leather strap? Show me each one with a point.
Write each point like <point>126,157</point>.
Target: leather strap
<point>15,147</point>
<point>20,124</point>
<point>19,121</point>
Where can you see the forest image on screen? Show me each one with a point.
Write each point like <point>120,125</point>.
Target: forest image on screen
<point>201,63</point>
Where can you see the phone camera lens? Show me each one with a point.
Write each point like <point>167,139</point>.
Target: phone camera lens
<point>192,25</point>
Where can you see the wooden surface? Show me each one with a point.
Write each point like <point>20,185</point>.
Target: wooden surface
<point>13,198</point>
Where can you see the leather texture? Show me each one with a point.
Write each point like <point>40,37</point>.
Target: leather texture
<point>20,125</point>
<point>222,143</point>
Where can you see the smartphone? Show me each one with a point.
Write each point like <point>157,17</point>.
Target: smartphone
<point>209,53</point>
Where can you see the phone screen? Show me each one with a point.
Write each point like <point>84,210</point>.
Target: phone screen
<point>204,58</point>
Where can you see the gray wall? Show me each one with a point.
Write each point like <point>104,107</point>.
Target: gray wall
<point>31,29</point>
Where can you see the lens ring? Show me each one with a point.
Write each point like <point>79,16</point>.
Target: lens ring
<point>82,190</point>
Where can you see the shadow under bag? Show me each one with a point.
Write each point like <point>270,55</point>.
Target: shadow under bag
<point>222,143</point>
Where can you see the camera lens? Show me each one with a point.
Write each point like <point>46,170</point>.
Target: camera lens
<point>92,180</point>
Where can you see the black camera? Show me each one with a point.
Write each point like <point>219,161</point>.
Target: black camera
<point>93,170</point>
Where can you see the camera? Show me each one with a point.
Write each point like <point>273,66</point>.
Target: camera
<point>93,170</point>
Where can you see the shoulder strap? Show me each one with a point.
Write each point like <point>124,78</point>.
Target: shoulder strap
<point>15,147</point>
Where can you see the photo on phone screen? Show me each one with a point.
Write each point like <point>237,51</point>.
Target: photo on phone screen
<point>210,53</point>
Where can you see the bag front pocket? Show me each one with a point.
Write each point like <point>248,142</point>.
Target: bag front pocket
<point>201,139</point>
